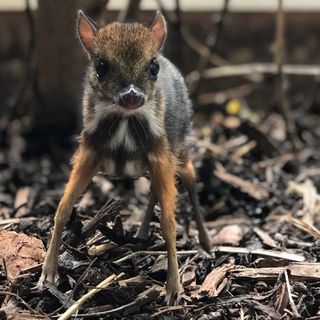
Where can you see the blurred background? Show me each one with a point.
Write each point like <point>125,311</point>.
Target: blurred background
<point>252,68</point>
<point>42,63</point>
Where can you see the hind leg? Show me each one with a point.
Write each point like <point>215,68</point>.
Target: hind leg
<point>143,230</point>
<point>188,178</point>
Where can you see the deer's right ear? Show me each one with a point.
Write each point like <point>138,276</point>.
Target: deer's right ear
<point>86,31</point>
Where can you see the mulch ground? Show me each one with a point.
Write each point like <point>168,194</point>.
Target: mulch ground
<point>261,205</point>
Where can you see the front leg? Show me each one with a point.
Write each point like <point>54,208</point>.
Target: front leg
<point>85,166</point>
<point>163,171</point>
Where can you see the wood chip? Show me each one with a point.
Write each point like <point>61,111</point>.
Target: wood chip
<point>311,199</point>
<point>266,239</point>
<point>188,276</point>
<point>240,152</point>
<point>215,281</point>
<point>255,191</point>
<point>107,213</point>
<point>308,228</point>
<point>298,271</point>
<point>282,299</point>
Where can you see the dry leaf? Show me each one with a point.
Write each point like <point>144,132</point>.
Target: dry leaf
<point>19,252</point>
<point>229,235</point>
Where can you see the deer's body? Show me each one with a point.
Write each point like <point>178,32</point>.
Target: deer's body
<point>136,119</point>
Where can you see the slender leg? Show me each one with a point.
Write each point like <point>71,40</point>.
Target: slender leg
<point>187,175</point>
<point>84,167</point>
<point>148,216</point>
<point>163,170</point>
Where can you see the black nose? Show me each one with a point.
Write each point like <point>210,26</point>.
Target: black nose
<point>131,97</point>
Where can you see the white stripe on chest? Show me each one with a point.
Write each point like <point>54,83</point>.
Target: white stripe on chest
<point>123,138</point>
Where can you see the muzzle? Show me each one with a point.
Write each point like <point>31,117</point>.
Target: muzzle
<point>131,98</point>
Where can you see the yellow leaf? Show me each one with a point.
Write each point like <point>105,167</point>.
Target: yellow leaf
<point>233,106</point>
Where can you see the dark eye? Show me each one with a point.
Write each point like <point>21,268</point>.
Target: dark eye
<point>102,68</point>
<point>154,67</point>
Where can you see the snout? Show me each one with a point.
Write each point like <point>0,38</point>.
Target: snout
<point>131,98</point>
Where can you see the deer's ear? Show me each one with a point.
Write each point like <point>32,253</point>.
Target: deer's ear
<point>86,31</point>
<point>159,29</point>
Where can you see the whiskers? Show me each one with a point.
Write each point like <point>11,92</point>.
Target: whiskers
<point>107,107</point>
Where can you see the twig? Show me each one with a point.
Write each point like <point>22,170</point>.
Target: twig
<point>256,68</point>
<point>264,253</point>
<point>167,309</point>
<point>310,229</point>
<point>282,81</point>
<point>30,69</point>
<point>153,253</point>
<point>220,97</point>
<point>81,278</point>
<point>211,42</point>
<point>256,191</point>
<point>142,298</point>
<point>260,252</point>
<point>12,111</point>
<point>202,50</point>
<point>5,269</point>
<point>214,58</point>
<point>293,306</point>
<point>69,312</point>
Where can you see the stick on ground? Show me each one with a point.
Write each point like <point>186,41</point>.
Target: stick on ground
<point>75,307</point>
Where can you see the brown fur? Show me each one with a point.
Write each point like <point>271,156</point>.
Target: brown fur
<point>84,168</point>
<point>157,140</point>
<point>125,45</point>
<point>163,167</point>
<point>128,49</point>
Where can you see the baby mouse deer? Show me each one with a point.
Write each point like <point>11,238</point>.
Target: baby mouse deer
<point>136,117</point>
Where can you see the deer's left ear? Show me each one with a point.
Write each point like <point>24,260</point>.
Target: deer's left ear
<point>86,31</point>
<point>159,29</point>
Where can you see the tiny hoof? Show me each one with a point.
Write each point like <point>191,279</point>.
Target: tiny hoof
<point>205,243</point>
<point>50,276</point>
<point>173,295</point>
<point>172,298</point>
